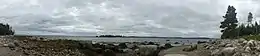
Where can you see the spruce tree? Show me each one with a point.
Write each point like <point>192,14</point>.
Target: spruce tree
<point>250,18</point>
<point>256,28</point>
<point>229,24</point>
<point>5,29</point>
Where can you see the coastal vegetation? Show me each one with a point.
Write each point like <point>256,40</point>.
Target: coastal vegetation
<point>232,30</point>
<point>6,29</point>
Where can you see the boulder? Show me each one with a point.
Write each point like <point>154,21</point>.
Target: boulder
<point>176,43</point>
<point>229,51</point>
<point>216,53</point>
<point>168,45</point>
<point>247,49</point>
<point>10,45</point>
<point>241,40</point>
<point>190,48</point>
<point>122,45</point>
<point>151,43</point>
<point>210,47</point>
<point>237,54</point>
<point>250,43</point>
<point>243,43</point>
<point>229,45</point>
<point>222,45</point>
<point>200,42</point>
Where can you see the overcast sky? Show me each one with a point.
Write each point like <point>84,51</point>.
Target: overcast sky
<point>127,17</point>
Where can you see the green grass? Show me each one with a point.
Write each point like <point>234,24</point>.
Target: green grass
<point>252,37</point>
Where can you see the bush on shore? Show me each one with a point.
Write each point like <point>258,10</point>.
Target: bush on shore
<point>252,37</point>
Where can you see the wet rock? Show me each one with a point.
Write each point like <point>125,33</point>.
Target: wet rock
<point>122,45</point>
<point>168,45</point>
<point>200,42</point>
<point>151,43</point>
<point>176,43</point>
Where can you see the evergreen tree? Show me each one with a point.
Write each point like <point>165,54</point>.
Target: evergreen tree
<point>250,18</point>
<point>241,30</point>
<point>229,24</point>
<point>5,29</point>
<point>256,28</point>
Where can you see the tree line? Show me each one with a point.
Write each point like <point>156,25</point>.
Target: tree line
<point>231,29</point>
<point>6,29</point>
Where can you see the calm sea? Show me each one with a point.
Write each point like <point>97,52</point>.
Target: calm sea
<point>157,40</point>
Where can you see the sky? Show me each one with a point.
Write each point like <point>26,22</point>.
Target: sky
<point>122,17</point>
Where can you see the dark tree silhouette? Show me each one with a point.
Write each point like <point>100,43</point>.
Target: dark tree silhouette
<point>250,18</point>
<point>229,24</point>
<point>6,29</point>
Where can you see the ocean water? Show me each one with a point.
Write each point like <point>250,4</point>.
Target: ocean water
<point>156,40</point>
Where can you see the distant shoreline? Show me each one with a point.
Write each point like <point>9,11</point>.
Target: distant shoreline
<point>114,36</point>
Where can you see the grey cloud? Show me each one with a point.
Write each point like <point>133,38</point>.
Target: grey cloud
<point>127,17</point>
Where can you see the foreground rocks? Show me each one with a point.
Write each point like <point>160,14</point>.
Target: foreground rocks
<point>33,46</point>
<point>219,47</point>
<point>234,47</point>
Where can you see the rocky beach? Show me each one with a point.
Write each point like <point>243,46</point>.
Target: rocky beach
<point>36,46</point>
<point>221,47</point>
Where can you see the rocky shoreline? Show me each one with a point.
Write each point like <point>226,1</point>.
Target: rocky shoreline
<point>35,46</point>
<point>234,47</point>
<point>220,47</point>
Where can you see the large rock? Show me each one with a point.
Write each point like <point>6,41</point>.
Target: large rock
<point>190,48</point>
<point>168,45</point>
<point>216,53</point>
<point>10,45</point>
<point>237,54</point>
<point>229,51</point>
<point>222,45</point>
<point>251,43</point>
<point>241,40</point>
<point>248,49</point>
<point>122,45</point>
<point>210,47</point>
<point>200,42</point>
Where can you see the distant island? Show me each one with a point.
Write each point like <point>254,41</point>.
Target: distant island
<point>114,36</point>
<point>121,36</point>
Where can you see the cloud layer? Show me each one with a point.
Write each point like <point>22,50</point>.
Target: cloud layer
<point>127,17</point>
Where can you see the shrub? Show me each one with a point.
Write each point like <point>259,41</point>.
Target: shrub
<point>252,37</point>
